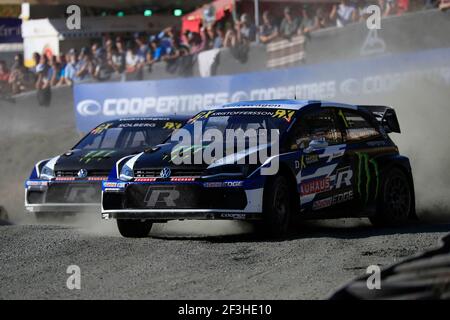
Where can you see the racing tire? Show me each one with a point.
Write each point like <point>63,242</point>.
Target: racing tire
<point>277,208</point>
<point>395,202</point>
<point>130,228</point>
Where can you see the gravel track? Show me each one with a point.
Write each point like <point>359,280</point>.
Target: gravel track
<point>193,260</point>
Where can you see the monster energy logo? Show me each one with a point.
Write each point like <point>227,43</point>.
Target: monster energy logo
<point>364,167</point>
<point>95,155</point>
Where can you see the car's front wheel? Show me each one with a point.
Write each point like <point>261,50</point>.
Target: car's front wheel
<point>130,228</point>
<point>276,209</point>
<point>396,199</point>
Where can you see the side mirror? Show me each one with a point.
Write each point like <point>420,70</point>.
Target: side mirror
<point>316,145</point>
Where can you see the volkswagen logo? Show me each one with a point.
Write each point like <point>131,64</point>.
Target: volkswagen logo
<point>82,173</point>
<point>165,173</point>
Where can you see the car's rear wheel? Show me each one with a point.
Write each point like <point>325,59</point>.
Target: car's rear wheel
<point>130,228</point>
<point>396,199</point>
<point>277,209</point>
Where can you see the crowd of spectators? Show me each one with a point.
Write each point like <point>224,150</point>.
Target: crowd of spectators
<point>127,58</point>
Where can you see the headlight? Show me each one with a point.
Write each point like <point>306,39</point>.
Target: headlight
<point>126,174</point>
<point>47,173</point>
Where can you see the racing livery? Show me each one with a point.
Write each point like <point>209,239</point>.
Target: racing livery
<point>334,160</point>
<point>71,182</point>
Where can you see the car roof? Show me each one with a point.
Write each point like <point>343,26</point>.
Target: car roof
<point>285,104</point>
<point>161,118</point>
<point>140,119</point>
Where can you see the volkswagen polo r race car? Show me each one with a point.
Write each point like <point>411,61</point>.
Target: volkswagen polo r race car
<point>71,182</point>
<point>333,160</point>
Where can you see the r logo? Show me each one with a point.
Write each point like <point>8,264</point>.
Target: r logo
<point>73,21</point>
<point>165,197</point>
<point>81,194</point>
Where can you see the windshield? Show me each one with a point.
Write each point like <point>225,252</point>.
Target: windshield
<point>127,135</point>
<point>245,119</point>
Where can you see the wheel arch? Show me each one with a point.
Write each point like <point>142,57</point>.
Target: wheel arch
<point>402,163</point>
<point>286,171</point>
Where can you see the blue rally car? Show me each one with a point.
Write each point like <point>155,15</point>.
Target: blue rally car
<point>71,182</point>
<point>333,160</point>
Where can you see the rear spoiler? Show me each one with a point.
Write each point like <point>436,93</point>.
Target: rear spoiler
<point>386,116</point>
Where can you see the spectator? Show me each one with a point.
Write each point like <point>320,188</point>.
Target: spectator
<point>85,66</point>
<point>44,81</point>
<point>71,68</point>
<point>55,69</point>
<point>142,50</point>
<point>178,58</point>
<point>444,5</point>
<point>395,7</point>
<point>205,41</point>
<point>390,7</point>
<point>4,77</point>
<point>109,45</point>
<point>165,38</point>
<point>289,24</point>
<point>363,11</point>
<point>309,22</point>
<point>220,36</point>
<point>118,58</point>
<point>211,33</point>
<point>344,13</point>
<point>36,58</point>
<point>18,79</point>
<point>322,20</point>
<point>246,31</point>
<point>158,50</point>
<point>95,49</point>
<point>194,41</point>
<point>134,64</point>
<point>102,69</point>
<point>230,40</point>
<point>62,61</point>
<point>176,50</point>
<point>268,31</point>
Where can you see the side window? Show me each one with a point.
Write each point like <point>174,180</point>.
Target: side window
<point>316,125</point>
<point>357,128</point>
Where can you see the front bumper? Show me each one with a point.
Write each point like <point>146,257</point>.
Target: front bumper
<point>62,196</point>
<point>180,214</point>
<point>63,207</point>
<point>199,200</point>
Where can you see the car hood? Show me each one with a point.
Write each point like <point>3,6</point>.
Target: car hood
<point>160,157</point>
<point>98,160</point>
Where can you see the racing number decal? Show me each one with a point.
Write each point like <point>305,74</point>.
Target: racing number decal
<point>101,128</point>
<point>172,125</point>
<point>284,114</point>
<point>201,115</point>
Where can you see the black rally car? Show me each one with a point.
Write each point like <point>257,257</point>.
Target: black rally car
<point>72,182</point>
